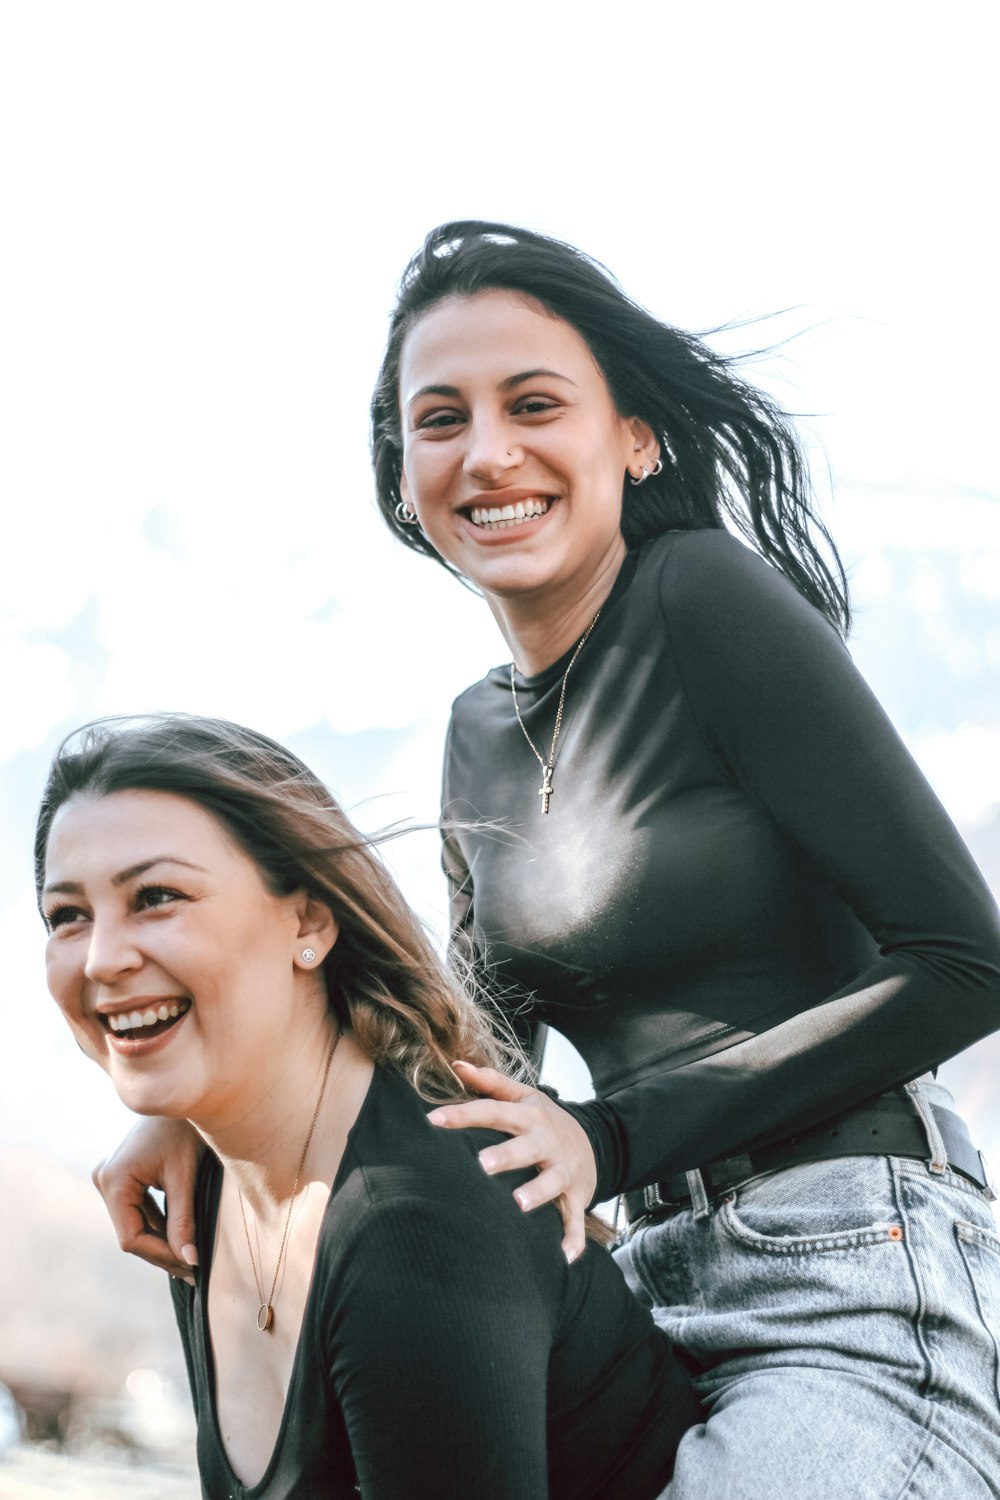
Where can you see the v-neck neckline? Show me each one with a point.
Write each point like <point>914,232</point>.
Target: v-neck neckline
<point>240,1489</point>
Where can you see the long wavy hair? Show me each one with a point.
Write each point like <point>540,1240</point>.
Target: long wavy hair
<point>729,453</point>
<point>383,976</point>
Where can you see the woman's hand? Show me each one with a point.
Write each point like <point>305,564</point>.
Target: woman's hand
<point>543,1136</point>
<point>161,1154</point>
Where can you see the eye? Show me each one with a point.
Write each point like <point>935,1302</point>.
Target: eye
<point>63,916</point>
<point>435,421</point>
<point>155,897</point>
<point>533,405</point>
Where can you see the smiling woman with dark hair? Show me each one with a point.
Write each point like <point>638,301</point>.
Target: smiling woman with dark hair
<point>731,887</point>
<point>373,1315</point>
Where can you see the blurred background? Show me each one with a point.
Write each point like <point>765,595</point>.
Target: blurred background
<point>207,207</point>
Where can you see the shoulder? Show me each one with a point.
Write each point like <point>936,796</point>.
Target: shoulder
<point>397,1153</point>
<point>469,704</point>
<point>716,595</point>
<point>690,567</point>
<point>416,1206</point>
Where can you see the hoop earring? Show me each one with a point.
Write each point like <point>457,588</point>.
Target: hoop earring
<point>405,515</point>
<point>656,469</point>
<point>642,477</point>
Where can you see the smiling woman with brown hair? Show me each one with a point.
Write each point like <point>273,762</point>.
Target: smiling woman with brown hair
<point>373,1315</point>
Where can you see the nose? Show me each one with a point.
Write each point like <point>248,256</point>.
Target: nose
<point>492,450</point>
<point>111,953</point>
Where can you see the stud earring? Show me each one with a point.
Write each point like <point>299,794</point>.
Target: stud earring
<point>308,954</point>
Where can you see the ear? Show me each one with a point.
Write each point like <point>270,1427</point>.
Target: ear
<point>404,488</point>
<point>644,447</point>
<point>318,930</point>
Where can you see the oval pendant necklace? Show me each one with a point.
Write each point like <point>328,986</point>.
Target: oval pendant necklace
<point>265,1312</point>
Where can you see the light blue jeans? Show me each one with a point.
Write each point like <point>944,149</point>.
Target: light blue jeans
<point>844,1319</point>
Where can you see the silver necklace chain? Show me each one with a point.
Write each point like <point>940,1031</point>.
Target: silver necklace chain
<point>546,789</point>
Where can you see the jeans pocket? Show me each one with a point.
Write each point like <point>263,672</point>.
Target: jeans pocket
<point>843,1204</point>
<point>981,1253</point>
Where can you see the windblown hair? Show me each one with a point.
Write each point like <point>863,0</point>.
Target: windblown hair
<point>383,977</point>
<point>729,453</point>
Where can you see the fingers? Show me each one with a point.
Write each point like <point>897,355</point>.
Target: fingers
<point>138,1222</point>
<point>532,1149</point>
<point>547,1187</point>
<point>179,1176</point>
<point>486,1114</point>
<point>575,1226</point>
<point>489,1081</point>
<point>164,1154</point>
<point>550,1186</point>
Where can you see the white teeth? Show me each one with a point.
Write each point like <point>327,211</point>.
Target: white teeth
<point>509,515</point>
<point>167,1011</point>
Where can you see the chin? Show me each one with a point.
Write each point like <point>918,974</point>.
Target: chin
<point>143,1098</point>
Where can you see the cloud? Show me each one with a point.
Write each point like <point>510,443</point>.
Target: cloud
<point>963,767</point>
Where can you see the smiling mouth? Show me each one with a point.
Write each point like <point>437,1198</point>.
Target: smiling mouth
<point>151,1021</point>
<point>501,517</point>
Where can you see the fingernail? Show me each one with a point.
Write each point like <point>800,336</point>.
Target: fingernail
<point>523,1199</point>
<point>189,1254</point>
<point>461,1063</point>
<point>438,1117</point>
<point>572,1255</point>
<point>486,1161</point>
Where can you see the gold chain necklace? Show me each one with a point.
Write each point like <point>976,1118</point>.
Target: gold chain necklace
<point>546,789</point>
<point>265,1312</point>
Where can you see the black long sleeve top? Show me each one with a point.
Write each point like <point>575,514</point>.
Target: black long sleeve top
<point>446,1347</point>
<point>745,908</point>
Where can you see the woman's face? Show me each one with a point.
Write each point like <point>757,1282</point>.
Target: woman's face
<point>175,966</point>
<point>513,453</point>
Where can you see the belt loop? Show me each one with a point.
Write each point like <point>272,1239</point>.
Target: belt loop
<point>699,1197</point>
<point>938,1161</point>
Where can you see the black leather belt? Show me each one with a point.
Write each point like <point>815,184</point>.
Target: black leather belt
<point>886,1126</point>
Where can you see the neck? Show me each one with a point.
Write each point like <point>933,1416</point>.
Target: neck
<point>261,1146</point>
<point>540,626</point>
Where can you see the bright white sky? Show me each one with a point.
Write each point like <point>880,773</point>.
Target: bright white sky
<point>207,206</point>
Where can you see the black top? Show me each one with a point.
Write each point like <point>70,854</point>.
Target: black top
<point>446,1347</point>
<point>745,908</point>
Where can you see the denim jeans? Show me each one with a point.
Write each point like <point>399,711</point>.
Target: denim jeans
<point>843,1318</point>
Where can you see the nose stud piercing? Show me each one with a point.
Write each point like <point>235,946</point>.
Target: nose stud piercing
<point>308,954</point>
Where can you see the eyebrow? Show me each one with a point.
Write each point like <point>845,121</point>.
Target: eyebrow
<point>74,888</point>
<point>505,385</point>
